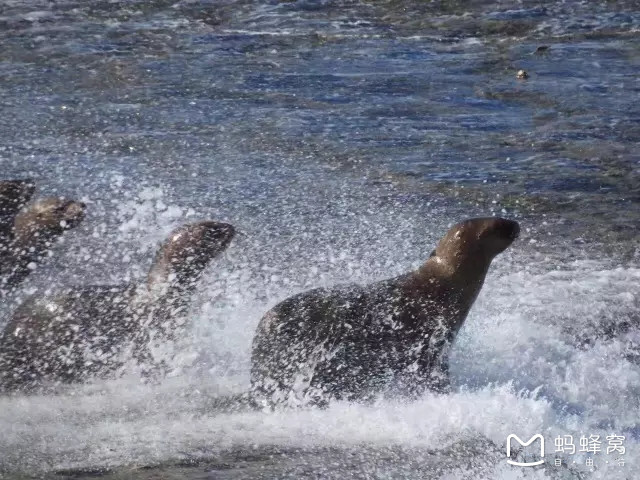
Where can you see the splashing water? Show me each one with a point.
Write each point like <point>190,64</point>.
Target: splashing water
<point>342,139</point>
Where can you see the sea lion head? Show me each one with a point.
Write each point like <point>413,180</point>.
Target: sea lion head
<point>48,218</point>
<point>472,244</point>
<point>14,194</point>
<point>188,250</point>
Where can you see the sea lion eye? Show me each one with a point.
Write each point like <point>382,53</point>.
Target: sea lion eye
<point>433,253</point>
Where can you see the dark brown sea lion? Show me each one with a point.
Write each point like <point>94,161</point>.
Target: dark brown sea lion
<point>80,332</point>
<point>391,337</point>
<point>13,195</point>
<point>35,228</point>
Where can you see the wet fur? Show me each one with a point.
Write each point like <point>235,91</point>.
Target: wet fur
<point>387,338</point>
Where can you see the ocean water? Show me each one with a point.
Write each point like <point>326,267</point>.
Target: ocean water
<point>342,138</point>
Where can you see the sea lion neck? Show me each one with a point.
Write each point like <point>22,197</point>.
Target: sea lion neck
<point>166,277</point>
<point>436,269</point>
<point>178,266</point>
<point>463,256</point>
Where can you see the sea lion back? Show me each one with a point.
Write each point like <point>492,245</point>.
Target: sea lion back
<point>47,338</point>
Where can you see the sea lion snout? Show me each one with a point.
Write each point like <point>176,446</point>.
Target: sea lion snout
<point>509,229</point>
<point>72,212</point>
<point>497,234</point>
<point>515,232</point>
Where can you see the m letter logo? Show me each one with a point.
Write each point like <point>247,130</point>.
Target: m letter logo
<point>524,444</point>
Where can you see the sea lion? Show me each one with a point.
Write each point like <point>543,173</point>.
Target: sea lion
<point>81,332</point>
<point>35,228</point>
<point>391,337</point>
<point>13,195</point>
